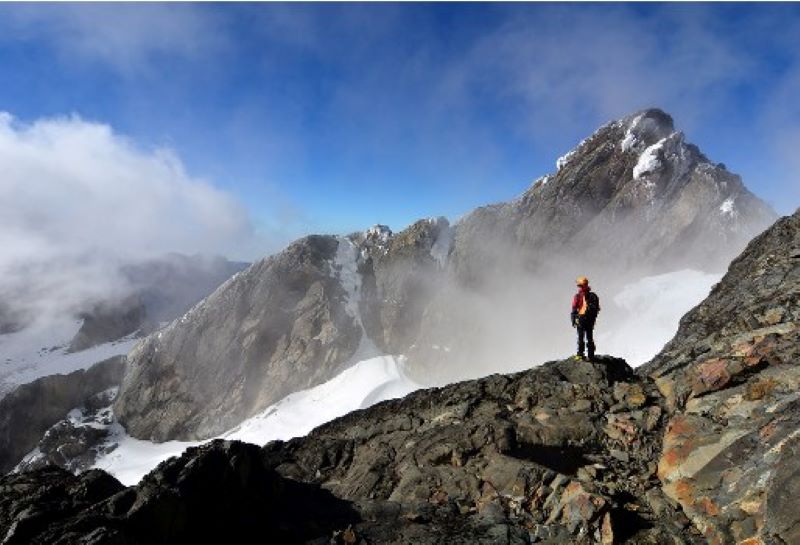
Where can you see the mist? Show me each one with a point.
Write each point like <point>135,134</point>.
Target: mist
<point>508,308</point>
<point>78,202</point>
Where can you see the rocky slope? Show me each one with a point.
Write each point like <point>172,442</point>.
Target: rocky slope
<point>634,197</point>
<point>698,447</point>
<point>282,325</point>
<point>731,381</point>
<point>28,411</point>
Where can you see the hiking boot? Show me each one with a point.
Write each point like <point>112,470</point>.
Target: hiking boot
<point>578,357</point>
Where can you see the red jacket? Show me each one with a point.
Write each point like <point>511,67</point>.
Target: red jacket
<point>578,300</point>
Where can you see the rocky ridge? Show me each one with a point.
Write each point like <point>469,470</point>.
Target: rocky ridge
<point>634,193</point>
<point>699,446</point>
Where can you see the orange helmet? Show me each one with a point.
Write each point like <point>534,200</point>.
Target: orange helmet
<point>582,281</point>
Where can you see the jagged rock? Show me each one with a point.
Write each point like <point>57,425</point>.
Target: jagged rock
<point>280,326</point>
<point>730,379</point>
<point>75,442</point>
<point>37,502</point>
<point>27,412</point>
<point>489,461</point>
<point>399,280</point>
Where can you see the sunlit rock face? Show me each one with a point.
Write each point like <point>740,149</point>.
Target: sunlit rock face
<point>277,327</point>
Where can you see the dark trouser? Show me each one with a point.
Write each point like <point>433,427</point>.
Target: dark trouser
<point>585,330</point>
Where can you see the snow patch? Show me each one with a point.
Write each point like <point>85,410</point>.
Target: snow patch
<point>648,160</point>
<point>362,385</point>
<point>345,265</point>
<point>378,233</point>
<point>564,160</point>
<point>727,208</point>
<point>346,269</point>
<point>440,248</point>
<point>631,140</point>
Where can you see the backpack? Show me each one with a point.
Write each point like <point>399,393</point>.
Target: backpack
<point>593,304</point>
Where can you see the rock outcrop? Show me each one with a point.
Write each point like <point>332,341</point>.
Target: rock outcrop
<point>562,454</point>
<point>731,379</point>
<point>27,412</point>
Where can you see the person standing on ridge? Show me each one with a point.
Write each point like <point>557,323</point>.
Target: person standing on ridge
<point>585,306</point>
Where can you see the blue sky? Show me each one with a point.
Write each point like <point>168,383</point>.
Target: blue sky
<point>334,117</point>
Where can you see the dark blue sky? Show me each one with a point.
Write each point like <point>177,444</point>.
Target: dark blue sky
<point>333,117</point>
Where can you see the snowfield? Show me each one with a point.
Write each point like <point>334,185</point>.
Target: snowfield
<point>40,350</point>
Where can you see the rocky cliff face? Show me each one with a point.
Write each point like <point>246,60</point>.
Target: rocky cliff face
<point>285,323</point>
<point>698,447</point>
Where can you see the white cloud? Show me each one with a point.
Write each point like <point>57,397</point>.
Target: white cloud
<point>76,200</point>
<point>123,36</point>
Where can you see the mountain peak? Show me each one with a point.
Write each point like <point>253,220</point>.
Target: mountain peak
<point>649,125</point>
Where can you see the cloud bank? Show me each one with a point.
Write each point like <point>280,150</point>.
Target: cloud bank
<point>77,200</point>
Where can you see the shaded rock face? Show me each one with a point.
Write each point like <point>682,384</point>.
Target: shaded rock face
<point>75,442</point>
<point>224,492</point>
<point>400,276</point>
<point>280,326</point>
<point>27,412</point>
<point>730,378</point>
